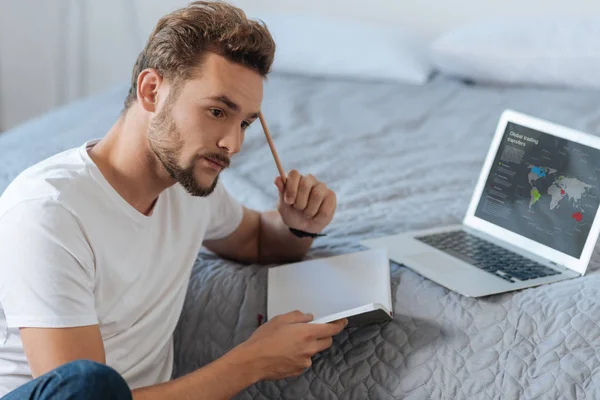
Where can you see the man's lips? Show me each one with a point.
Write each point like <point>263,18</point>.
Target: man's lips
<point>220,163</point>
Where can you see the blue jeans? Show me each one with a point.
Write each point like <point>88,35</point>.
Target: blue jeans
<point>80,379</point>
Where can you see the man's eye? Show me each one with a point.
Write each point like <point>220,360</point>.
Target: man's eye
<point>216,112</point>
<point>245,125</point>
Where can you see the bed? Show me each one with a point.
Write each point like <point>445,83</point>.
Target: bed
<point>399,157</point>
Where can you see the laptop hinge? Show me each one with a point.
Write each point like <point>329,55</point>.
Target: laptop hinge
<point>564,268</point>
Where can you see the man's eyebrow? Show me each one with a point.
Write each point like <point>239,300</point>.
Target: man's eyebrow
<point>232,105</point>
<point>227,101</point>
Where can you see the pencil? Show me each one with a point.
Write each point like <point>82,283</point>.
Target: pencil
<point>272,146</point>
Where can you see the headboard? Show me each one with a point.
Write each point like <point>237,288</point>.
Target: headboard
<point>425,19</point>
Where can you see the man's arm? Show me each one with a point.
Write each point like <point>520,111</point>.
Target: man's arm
<point>305,204</point>
<point>48,348</point>
<point>261,238</point>
<point>281,348</point>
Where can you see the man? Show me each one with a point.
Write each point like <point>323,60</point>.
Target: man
<point>97,243</point>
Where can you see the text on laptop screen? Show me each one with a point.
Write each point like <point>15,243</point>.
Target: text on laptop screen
<point>544,188</point>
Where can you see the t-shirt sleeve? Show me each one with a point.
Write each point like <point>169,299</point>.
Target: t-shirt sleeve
<point>225,214</point>
<point>46,268</point>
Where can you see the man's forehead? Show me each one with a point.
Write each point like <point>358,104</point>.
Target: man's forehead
<point>243,89</point>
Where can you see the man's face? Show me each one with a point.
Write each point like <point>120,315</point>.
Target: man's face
<point>197,131</point>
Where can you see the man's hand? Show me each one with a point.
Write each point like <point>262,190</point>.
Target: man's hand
<point>280,348</point>
<point>305,203</point>
<point>283,347</point>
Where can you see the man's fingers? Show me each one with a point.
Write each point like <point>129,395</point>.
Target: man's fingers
<point>326,210</point>
<point>322,331</point>
<point>280,185</point>
<point>324,344</point>
<point>317,195</point>
<point>291,187</point>
<point>295,317</point>
<point>304,191</point>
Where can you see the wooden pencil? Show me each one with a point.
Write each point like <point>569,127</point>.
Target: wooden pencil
<point>272,146</point>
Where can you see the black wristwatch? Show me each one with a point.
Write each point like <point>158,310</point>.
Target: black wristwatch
<point>303,234</point>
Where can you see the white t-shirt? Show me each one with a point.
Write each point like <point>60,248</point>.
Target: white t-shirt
<point>73,252</point>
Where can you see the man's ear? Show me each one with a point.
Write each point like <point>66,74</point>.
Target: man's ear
<point>149,81</point>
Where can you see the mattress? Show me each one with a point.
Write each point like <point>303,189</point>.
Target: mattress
<point>399,157</point>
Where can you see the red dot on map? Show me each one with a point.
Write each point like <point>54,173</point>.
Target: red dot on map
<point>577,216</point>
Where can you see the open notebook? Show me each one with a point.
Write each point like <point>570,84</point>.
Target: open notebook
<point>354,286</point>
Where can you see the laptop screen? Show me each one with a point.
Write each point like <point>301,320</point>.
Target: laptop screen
<point>544,188</point>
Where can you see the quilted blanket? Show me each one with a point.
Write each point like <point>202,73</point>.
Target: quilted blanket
<point>399,157</point>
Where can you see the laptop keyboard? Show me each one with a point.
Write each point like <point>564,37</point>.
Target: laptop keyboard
<point>489,257</point>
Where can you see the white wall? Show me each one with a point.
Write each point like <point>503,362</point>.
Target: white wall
<point>27,63</point>
<point>55,51</point>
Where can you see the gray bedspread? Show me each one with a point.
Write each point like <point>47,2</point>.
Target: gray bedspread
<point>399,157</point>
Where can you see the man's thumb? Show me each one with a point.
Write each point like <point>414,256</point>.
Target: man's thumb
<point>297,317</point>
<point>279,184</point>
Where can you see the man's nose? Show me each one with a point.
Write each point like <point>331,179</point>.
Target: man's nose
<point>232,141</point>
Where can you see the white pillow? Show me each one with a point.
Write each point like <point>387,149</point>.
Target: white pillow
<point>542,51</point>
<point>328,47</point>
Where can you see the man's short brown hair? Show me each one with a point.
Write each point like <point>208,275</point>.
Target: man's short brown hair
<point>181,38</point>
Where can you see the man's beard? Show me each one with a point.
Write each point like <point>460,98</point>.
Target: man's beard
<point>166,144</point>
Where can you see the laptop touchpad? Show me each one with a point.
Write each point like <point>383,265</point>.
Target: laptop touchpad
<point>438,263</point>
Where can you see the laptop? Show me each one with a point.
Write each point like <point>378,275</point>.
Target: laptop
<point>354,286</point>
<point>532,220</point>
